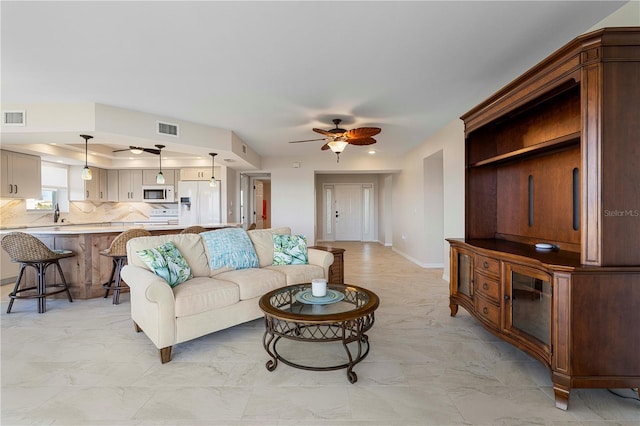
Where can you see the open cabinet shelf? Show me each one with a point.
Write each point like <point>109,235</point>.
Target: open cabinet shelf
<point>553,157</point>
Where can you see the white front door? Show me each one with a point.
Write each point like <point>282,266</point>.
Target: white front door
<point>348,212</point>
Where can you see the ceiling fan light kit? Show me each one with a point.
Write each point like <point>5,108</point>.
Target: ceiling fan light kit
<point>160,176</point>
<point>139,150</point>
<point>86,171</point>
<point>337,139</point>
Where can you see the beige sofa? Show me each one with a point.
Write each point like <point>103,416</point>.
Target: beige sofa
<point>211,300</point>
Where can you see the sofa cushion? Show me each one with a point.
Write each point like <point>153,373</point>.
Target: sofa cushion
<point>299,274</point>
<point>229,248</point>
<point>290,249</point>
<point>254,282</point>
<point>190,245</point>
<point>204,294</point>
<point>262,240</point>
<point>167,262</point>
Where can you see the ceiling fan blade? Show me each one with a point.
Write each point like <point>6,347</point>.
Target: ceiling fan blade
<point>323,132</point>
<point>127,149</point>
<point>151,151</point>
<point>362,141</point>
<point>363,132</point>
<point>325,147</point>
<point>308,140</point>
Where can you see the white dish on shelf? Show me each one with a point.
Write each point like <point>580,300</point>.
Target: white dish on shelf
<point>545,246</point>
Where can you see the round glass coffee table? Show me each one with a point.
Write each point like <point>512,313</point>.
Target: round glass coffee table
<point>344,315</point>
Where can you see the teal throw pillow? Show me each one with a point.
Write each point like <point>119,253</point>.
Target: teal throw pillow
<point>290,250</point>
<point>167,262</point>
<point>230,247</point>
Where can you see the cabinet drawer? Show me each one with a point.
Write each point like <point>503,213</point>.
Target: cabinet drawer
<point>487,310</point>
<point>487,286</point>
<point>488,265</point>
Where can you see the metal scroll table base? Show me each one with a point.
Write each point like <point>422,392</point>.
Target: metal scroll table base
<point>347,332</point>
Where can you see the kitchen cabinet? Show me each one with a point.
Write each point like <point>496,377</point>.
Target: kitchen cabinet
<point>130,185</point>
<point>192,173</point>
<point>149,176</point>
<point>112,185</point>
<point>548,160</point>
<point>95,189</point>
<point>21,175</point>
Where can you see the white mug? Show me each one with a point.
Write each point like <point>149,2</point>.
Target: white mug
<point>319,287</point>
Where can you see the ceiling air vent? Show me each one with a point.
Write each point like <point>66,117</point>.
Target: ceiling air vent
<point>13,118</point>
<point>167,129</point>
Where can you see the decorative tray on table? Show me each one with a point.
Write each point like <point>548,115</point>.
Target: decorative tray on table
<point>305,296</point>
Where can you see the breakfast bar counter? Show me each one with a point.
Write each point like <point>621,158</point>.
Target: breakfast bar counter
<point>88,270</point>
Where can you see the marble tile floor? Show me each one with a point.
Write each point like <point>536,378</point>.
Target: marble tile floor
<point>83,364</point>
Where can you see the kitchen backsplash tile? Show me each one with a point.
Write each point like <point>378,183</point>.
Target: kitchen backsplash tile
<point>14,213</point>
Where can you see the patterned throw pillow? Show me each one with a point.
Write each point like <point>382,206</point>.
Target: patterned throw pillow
<point>290,250</point>
<point>167,262</point>
<point>230,247</point>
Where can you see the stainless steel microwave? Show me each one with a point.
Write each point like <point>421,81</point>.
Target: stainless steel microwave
<point>158,193</point>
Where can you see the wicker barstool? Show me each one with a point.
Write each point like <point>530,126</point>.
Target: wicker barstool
<point>30,251</point>
<point>196,229</point>
<point>117,251</point>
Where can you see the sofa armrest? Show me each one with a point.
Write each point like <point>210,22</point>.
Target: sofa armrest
<point>152,305</point>
<point>320,258</point>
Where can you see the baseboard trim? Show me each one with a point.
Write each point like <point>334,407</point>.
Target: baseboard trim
<point>417,262</point>
<point>7,281</point>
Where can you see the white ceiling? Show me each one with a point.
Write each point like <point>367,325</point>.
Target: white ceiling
<point>270,71</point>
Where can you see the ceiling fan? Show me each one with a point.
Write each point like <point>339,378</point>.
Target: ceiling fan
<point>337,139</point>
<point>139,150</point>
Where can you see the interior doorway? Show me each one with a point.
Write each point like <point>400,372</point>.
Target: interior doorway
<point>348,212</point>
<point>255,199</point>
<point>262,203</point>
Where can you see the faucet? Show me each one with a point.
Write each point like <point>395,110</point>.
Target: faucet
<point>56,214</point>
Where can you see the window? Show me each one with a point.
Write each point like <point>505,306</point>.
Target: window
<point>46,202</point>
<point>54,189</point>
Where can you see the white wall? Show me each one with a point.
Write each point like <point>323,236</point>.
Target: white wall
<point>293,199</point>
<point>293,190</point>
<point>434,208</point>
<point>409,197</point>
<point>627,16</point>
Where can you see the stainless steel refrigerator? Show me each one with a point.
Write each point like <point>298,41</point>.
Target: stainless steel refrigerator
<point>199,203</point>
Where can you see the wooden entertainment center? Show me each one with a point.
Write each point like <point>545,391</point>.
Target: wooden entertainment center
<point>554,157</point>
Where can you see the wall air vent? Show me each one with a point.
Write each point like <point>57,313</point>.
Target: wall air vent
<point>167,129</point>
<point>13,118</point>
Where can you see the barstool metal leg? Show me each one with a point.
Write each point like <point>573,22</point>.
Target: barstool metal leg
<point>64,281</point>
<point>15,289</point>
<point>107,285</point>
<point>120,261</point>
<point>42,298</point>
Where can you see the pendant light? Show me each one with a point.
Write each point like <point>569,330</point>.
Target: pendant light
<point>212,182</point>
<point>86,172</point>
<point>160,176</point>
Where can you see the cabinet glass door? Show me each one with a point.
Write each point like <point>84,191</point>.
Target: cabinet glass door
<point>465,274</point>
<point>529,313</point>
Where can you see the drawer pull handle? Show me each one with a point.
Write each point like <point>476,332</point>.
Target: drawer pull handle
<point>485,310</point>
<point>485,286</point>
<point>485,264</point>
